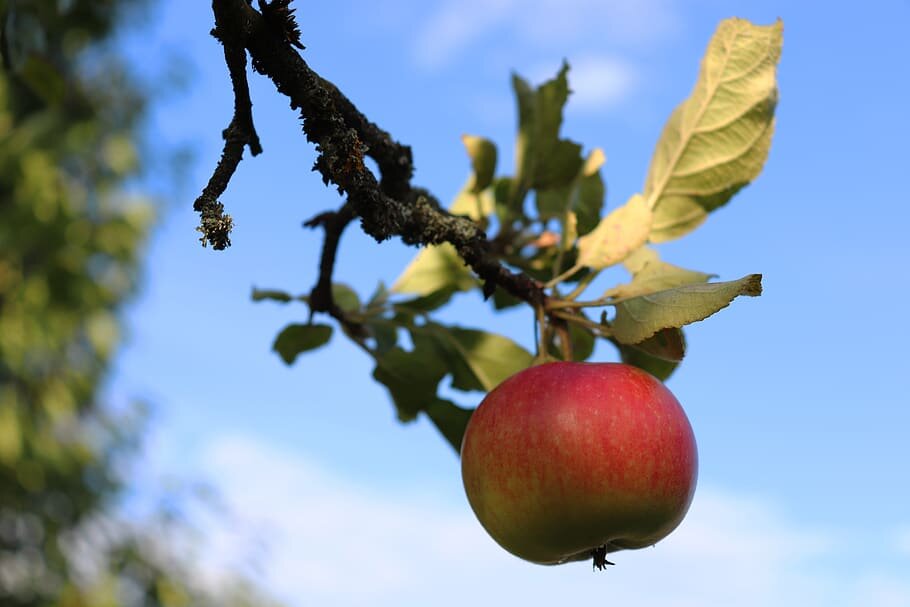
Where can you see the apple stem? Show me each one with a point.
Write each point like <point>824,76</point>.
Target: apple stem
<point>600,558</point>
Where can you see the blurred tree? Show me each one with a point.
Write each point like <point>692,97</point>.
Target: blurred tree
<point>71,237</point>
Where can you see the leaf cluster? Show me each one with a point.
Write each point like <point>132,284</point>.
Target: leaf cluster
<point>549,221</point>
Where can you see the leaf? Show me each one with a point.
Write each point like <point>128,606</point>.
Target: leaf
<point>426,303</point>
<point>591,192</point>
<point>433,269</point>
<point>658,367</point>
<point>345,297</point>
<point>583,196</point>
<point>450,419</point>
<point>582,344</point>
<point>542,159</point>
<point>271,294</point>
<point>379,297</point>
<point>295,339</point>
<point>620,233</point>
<point>502,299</point>
<point>384,332</point>
<point>667,344</point>
<point>559,166</point>
<point>476,206</point>
<point>650,275</point>
<point>641,317</point>
<point>411,377</point>
<point>479,360</point>
<point>717,140</point>
<point>483,162</point>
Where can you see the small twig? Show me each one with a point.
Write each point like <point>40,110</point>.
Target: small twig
<point>214,224</point>
<point>582,321</point>
<point>563,276</point>
<point>321,297</point>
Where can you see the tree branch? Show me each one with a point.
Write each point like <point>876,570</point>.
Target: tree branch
<point>334,223</point>
<point>343,136</point>
<point>214,224</point>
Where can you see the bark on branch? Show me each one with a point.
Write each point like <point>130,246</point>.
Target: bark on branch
<point>343,136</point>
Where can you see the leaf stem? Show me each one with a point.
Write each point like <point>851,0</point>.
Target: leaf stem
<point>561,277</point>
<point>582,321</point>
<point>582,285</point>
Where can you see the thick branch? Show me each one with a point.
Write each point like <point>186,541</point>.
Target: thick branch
<point>342,136</point>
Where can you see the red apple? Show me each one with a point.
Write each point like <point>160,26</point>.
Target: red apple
<point>565,461</point>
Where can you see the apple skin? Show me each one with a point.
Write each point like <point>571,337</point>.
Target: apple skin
<point>564,458</point>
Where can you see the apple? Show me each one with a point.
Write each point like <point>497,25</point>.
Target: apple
<point>567,461</point>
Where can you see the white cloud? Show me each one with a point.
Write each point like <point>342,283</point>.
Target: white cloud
<point>458,24</point>
<point>332,542</point>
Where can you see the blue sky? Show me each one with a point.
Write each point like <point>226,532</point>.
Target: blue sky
<point>798,398</point>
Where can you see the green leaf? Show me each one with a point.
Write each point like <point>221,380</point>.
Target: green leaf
<point>345,297</point>
<point>450,419</point>
<point>483,162</point>
<point>426,303</point>
<point>620,233</point>
<point>271,294</point>
<point>583,196</point>
<point>591,192</point>
<point>502,299</point>
<point>559,166</point>
<point>295,339</point>
<point>658,367</point>
<point>384,332</point>
<point>411,377</point>
<point>538,144</point>
<point>717,140</point>
<point>650,275</point>
<point>379,297</point>
<point>582,344</point>
<point>641,317</point>
<point>44,79</point>
<point>477,359</point>
<point>433,269</point>
<point>507,206</point>
<point>666,344</point>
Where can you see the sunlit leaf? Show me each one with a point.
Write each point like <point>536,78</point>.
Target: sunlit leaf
<point>477,206</point>
<point>717,140</point>
<point>620,233</point>
<point>650,274</point>
<point>433,269</point>
<point>295,339</point>
<point>490,357</point>
<point>641,317</point>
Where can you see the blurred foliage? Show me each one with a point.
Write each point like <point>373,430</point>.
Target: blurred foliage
<point>714,143</point>
<point>71,237</point>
